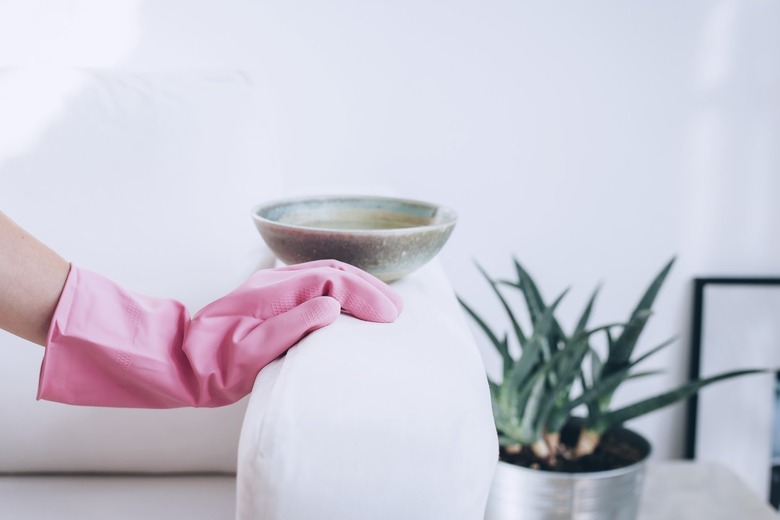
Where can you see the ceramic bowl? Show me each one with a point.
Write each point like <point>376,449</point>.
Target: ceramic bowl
<point>387,237</point>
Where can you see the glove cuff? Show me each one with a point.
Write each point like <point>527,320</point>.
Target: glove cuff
<point>102,336</point>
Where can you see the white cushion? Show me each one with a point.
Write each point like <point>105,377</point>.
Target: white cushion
<point>382,421</point>
<point>148,178</point>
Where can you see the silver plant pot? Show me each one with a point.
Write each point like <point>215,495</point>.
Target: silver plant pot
<point>520,493</point>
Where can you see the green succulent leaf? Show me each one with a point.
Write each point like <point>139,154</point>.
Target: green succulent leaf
<point>645,373</point>
<point>569,367</point>
<point>606,385</point>
<point>583,321</point>
<point>533,297</point>
<point>596,366</point>
<point>494,388</point>
<point>519,334</point>
<point>515,413</point>
<point>653,350</point>
<point>531,355</point>
<point>622,415</point>
<point>501,345</point>
<point>535,397</point>
<point>621,349</point>
<point>529,420</point>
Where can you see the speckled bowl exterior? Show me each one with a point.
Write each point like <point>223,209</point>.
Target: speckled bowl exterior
<point>387,237</point>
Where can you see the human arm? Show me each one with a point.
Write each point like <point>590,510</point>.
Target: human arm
<point>31,280</point>
<point>107,346</point>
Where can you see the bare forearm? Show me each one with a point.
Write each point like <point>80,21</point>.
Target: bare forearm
<point>31,280</point>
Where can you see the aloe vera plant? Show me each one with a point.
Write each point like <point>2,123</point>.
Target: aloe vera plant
<point>557,372</point>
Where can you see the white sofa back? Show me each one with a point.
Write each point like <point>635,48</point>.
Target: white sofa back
<point>148,178</point>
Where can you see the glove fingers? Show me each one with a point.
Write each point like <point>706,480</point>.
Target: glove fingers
<point>360,298</point>
<point>273,292</point>
<point>372,280</point>
<point>275,335</point>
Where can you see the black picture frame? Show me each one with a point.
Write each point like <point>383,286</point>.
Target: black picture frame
<point>735,325</point>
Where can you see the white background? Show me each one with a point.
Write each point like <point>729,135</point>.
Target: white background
<point>594,140</point>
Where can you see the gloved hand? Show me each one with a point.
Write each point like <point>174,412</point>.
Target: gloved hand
<point>110,347</point>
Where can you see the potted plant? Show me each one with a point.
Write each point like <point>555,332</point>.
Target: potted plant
<point>564,451</point>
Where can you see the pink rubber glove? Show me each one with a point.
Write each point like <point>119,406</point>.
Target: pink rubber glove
<point>110,347</point>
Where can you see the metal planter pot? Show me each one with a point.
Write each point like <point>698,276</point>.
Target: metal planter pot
<point>520,493</point>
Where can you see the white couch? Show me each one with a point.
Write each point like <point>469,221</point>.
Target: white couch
<point>148,178</point>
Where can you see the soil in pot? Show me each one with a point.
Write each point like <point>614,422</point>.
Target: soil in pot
<point>616,450</point>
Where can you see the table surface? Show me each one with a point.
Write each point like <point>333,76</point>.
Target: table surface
<point>117,497</point>
<point>674,490</point>
<point>687,490</point>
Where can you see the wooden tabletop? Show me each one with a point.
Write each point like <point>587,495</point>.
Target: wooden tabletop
<point>689,490</point>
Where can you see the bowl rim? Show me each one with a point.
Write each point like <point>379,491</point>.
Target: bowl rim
<point>450,215</point>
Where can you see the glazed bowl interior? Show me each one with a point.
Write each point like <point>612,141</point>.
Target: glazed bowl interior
<point>388,237</point>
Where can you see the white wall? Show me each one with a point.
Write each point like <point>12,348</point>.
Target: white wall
<point>592,140</point>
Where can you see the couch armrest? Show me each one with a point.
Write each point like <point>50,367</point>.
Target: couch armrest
<point>363,420</point>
